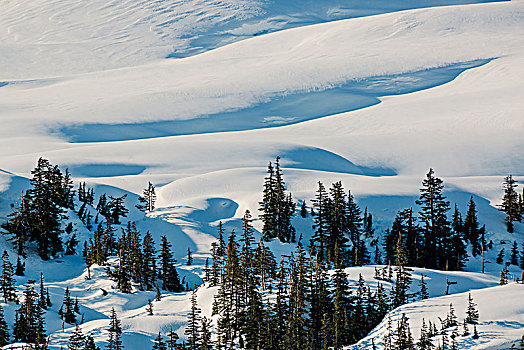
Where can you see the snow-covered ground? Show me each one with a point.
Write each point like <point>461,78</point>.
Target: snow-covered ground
<point>197,96</point>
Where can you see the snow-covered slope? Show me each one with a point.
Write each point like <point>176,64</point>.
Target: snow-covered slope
<point>197,96</point>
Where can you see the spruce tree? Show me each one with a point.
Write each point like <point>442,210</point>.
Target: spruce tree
<point>510,203</point>
<point>117,209</point>
<point>320,222</point>
<point>423,293</point>
<point>433,214</point>
<point>425,342</point>
<point>172,338</point>
<point>67,308</point>
<point>472,314</point>
<point>7,281</point>
<point>159,343</point>
<point>77,340</point>
<point>148,199</point>
<point>114,341</point>
<point>303,209</point>
<point>514,257</point>
<point>189,257</point>
<point>149,307</point>
<point>192,330</point>
<point>206,342</point>
<point>500,257</point>
<point>4,329</point>
<point>169,274</point>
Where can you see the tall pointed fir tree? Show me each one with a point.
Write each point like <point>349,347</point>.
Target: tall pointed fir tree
<point>192,330</point>
<point>510,203</point>
<point>7,280</point>
<point>114,342</point>
<point>169,274</point>
<point>320,213</point>
<point>4,329</point>
<point>437,250</point>
<point>148,199</point>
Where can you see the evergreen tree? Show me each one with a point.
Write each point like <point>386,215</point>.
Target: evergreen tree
<point>192,330</point>
<point>114,341</point>
<point>149,307</point>
<point>320,222</point>
<point>423,293</point>
<point>514,258</point>
<point>159,343</point>
<point>522,257</point>
<point>169,275</point>
<point>40,212</point>
<point>148,199</point>
<point>77,340</point>
<point>206,342</point>
<point>148,261</point>
<point>4,329</point>
<point>189,257</point>
<point>172,338</point>
<point>425,342</point>
<point>400,292</point>
<point>451,318</point>
<point>90,343</point>
<point>7,281</point>
<point>403,339</point>
<point>510,203</point>
<point>472,314</point>
<point>500,257</point>
<point>437,252</point>
<point>29,322</point>
<point>67,308</point>
<point>116,209</point>
<point>472,232</point>
<point>303,209</point>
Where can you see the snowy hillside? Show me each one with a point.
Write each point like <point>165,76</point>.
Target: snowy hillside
<point>198,96</point>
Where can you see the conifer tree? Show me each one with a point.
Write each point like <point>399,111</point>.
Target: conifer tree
<point>67,308</point>
<point>425,342</point>
<point>320,222</point>
<point>114,341</point>
<point>172,338</point>
<point>510,203</point>
<point>148,199</point>
<point>403,338</point>
<point>192,330</point>
<point>29,323</point>
<point>400,291</point>
<point>423,293</point>
<point>90,343</point>
<point>514,257</point>
<point>4,329</point>
<point>451,319</point>
<point>149,261</point>
<point>169,274</point>
<point>472,232</point>
<point>206,341</point>
<point>77,340</point>
<point>149,307</point>
<point>189,257</point>
<point>500,257</point>
<point>433,215</point>
<point>116,209</point>
<point>159,343</point>
<point>359,252</point>
<point>7,281</point>
<point>296,333</point>
<point>472,314</point>
<point>303,209</point>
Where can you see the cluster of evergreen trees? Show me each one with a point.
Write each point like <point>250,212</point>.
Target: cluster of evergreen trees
<point>400,337</point>
<point>137,259</point>
<point>277,207</point>
<point>297,304</point>
<point>39,215</point>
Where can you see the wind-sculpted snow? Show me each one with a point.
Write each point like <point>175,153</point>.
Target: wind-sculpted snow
<point>47,38</point>
<point>197,96</point>
<point>281,109</point>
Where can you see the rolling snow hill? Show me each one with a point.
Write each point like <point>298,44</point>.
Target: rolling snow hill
<point>197,96</point>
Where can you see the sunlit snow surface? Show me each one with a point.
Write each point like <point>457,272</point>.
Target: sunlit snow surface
<point>197,96</point>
